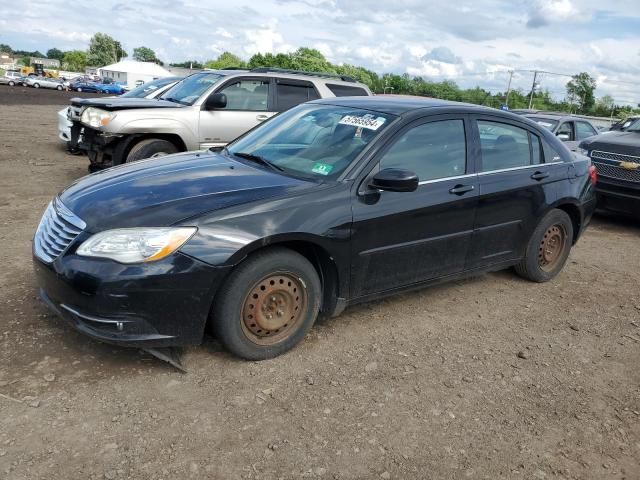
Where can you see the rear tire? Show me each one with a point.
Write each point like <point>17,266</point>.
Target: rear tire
<point>151,147</point>
<point>11,84</point>
<point>548,248</point>
<point>59,87</point>
<point>267,305</point>
<point>36,85</point>
<point>79,89</point>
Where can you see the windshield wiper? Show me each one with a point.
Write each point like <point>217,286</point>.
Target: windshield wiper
<point>258,159</point>
<point>174,100</point>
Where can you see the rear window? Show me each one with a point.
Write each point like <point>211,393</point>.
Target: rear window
<point>347,91</point>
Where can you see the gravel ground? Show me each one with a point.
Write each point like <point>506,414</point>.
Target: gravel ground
<point>489,378</point>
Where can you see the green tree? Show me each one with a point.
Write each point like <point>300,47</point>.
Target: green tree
<point>226,60</point>
<point>104,50</point>
<point>5,48</point>
<point>310,60</point>
<point>55,54</point>
<point>580,90</point>
<point>145,54</point>
<point>75,61</point>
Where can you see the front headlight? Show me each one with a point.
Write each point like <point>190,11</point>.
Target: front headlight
<point>96,117</point>
<point>136,245</point>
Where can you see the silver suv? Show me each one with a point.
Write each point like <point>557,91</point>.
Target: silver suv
<point>206,109</point>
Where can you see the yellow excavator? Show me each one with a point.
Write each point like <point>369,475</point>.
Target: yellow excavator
<point>36,69</point>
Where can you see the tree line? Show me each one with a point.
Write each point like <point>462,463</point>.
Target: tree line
<point>580,98</point>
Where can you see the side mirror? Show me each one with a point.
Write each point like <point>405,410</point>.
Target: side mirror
<point>395,180</point>
<point>563,136</point>
<point>216,100</point>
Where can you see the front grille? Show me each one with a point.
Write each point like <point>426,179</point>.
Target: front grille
<point>74,113</point>
<point>58,227</point>
<point>618,157</point>
<point>619,173</point>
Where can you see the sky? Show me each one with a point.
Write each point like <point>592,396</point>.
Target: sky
<point>471,42</point>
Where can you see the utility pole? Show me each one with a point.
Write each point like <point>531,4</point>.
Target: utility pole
<point>533,88</point>
<point>506,101</point>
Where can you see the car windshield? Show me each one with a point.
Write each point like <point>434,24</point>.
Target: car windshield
<point>149,87</point>
<point>312,141</point>
<point>191,88</point>
<point>545,122</point>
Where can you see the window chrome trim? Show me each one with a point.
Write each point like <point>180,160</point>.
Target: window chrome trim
<point>468,175</point>
<point>524,167</point>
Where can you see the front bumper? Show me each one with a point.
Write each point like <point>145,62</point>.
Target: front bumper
<point>159,304</point>
<point>618,196</point>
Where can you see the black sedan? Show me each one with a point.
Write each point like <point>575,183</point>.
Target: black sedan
<point>331,203</point>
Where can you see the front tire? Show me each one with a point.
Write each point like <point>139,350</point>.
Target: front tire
<point>59,87</point>
<point>267,305</point>
<point>151,147</point>
<point>79,89</point>
<point>12,84</point>
<point>36,85</point>
<point>548,248</point>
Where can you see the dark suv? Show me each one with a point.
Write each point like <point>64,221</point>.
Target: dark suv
<point>334,202</point>
<point>616,155</point>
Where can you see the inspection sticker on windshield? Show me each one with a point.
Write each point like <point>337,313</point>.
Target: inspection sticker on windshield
<point>366,121</point>
<point>322,168</point>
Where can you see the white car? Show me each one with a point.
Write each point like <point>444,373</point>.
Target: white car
<point>11,78</point>
<point>147,90</point>
<point>43,82</point>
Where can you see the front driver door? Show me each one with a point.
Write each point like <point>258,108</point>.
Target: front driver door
<point>249,102</point>
<point>404,238</point>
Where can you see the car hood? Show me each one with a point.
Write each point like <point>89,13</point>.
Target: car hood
<point>164,191</point>
<point>626,143</point>
<point>118,103</point>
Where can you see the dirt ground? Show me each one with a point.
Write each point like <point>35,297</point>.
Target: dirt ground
<point>486,378</point>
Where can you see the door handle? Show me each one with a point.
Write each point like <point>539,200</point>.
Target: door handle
<point>539,175</point>
<point>262,117</point>
<point>461,189</point>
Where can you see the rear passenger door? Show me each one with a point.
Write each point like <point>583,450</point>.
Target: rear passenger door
<point>249,102</point>
<point>517,182</point>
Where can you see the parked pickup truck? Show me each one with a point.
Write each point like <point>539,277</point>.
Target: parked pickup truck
<point>616,155</point>
<point>206,109</point>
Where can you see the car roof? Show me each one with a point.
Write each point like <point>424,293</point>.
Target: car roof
<point>401,104</point>
<point>309,76</point>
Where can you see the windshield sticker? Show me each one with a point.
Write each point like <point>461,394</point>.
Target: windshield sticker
<point>322,168</point>
<point>367,121</point>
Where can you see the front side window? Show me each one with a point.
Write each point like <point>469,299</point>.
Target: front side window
<point>566,129</point>
<point>248,95</point>
<point>584,130</point>
<point>312,141</point>
<point>503,146</point>
<point>191,88</point>
<point>432,150</point>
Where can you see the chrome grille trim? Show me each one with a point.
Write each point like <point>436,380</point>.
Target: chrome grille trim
<point>57,229</point>
<point>613,171</point>
<point>616,157</point>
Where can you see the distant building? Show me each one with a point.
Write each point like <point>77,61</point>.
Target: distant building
<point>183,72</point>
<point>7,61</point>
<point>45,62</point>
<point>133,73</point>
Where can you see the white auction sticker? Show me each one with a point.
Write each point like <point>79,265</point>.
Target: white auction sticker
<point>368,121</point>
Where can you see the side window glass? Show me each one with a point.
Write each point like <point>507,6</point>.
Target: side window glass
<point>431,150</point>
<point>537,155</point>
<point>251,95</point>
<point>291,95</point>
<point>503,146</point>
<point>566,129</point>
<point>584,130</point>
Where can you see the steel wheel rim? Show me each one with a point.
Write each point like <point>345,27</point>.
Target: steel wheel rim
<point>273,308</point>
<point>551,247</point>
<point>158,154</point>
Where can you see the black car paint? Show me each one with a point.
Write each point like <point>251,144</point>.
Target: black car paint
<point>366,243</point>
<point>616,194</point>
